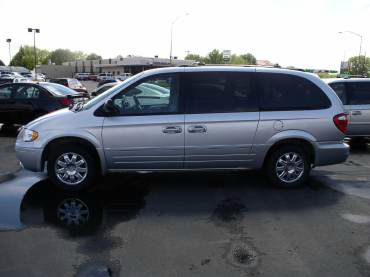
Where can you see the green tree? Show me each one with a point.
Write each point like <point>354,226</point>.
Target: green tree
<point>249,58</point>
<point>195,57</point>
<point>214,57</point>
<point>93,56</point>
<point>1,63</point>
<point>25,57</point>
<point>359,65</point>
<point>60,56</point>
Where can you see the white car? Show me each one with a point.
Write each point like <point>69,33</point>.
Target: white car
<point>124,76</point>
<point>82,76</point>
<point>104,76</point>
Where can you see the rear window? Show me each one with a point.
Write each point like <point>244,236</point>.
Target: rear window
<point>283,92</point>
<point>63,82</point>
<point>58,89</point>
<point>358,93</point>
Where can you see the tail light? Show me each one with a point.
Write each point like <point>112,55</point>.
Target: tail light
<point>65,102</point>
<point>341,122</point>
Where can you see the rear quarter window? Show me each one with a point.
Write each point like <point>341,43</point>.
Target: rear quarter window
<point>358,93</point>
<point>284,92</point>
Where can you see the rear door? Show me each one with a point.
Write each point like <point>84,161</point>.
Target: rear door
<point>358,106</point>
<point>221,118</point>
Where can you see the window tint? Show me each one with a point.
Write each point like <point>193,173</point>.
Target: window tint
<point>5,92</point>
<point>288,92</point>
<point>219,92</point>
<point>340,90</point>
<point>27,92</point>
<point>156,95</point>
<point>358,93</point>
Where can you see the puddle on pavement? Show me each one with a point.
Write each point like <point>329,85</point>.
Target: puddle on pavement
<point>83,213</point>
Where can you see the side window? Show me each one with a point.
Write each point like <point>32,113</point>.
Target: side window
<point>27,92</point>
<point>340,90</point>
<point>284,92</point>
<point>5,92</point>
<point>155,95</point>
<point>219,92</point>
<point>358,93</point>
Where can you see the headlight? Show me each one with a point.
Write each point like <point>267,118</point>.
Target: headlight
<point>29,135</point>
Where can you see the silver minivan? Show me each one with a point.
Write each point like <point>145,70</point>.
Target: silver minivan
<point>355,95</point>
<point>193,118</point>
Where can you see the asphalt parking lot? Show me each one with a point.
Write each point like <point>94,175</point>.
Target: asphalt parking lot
<point>194,224</point>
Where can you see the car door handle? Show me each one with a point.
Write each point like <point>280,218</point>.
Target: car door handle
<point>172,130</point>
<point>197,129</point>
<point>356,113</point>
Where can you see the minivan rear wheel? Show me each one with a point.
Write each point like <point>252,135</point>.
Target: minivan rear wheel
<point>288,166</point>
<point>71,167</point>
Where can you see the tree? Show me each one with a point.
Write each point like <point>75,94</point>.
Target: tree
<point>214,57</point>
<point>25,57</point>
<point>1,63</point>
<point>249,58</point>
<point>195,57</point>
<point>93,56</point>
<point>60,56</point>
<point>359,65</point>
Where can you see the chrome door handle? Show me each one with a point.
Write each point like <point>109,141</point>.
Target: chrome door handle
<point>197,129</point>
<point>172,130</point>
<point>356,113</point>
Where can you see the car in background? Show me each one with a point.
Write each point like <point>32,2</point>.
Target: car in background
<point>6,78</point>
<point>123,77</point>
<point>104,76</point>
<point>21,103</point>
<point>40,77</point>
<point>102,82</point>
<point>71,83</point>
<point>103,88</point>
<point>355,96</point>
<point>82,76</point>
<point>22,80</point>
<point>27,75</point>
<point>93,77</point>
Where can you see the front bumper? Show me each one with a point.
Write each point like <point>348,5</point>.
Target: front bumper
<point>327,153</point>
<point>30,158</point>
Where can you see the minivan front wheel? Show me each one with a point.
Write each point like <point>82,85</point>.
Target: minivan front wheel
<point>71,167</point>
<point>288,166</point>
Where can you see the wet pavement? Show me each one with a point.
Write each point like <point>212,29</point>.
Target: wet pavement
<point>192,224</point>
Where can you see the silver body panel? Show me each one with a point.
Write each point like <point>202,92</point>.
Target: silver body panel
<point>206,141</point>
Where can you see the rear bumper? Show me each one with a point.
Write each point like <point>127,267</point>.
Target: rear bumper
<point>30,158</point>
<point>327,153</point>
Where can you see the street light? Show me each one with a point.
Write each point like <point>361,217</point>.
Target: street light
<point>172,24</point>
<point>9,40</point>
<point>30,30</point>
<point>359,53</point>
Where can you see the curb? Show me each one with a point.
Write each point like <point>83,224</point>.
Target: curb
<point>6,176</point>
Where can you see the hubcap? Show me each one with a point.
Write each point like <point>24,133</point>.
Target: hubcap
<point>289,167</point>
<point>71,168</point>
<point>73,212</point>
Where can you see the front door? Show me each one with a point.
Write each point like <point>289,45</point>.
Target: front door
<point>221,119</point>
<point>148,131</point>
<point>6,115</point>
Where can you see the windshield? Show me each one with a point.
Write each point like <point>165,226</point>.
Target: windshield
<point>58,89</point>
<point>108,92</point>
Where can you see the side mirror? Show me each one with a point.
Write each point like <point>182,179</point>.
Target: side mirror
<point>109,107</point>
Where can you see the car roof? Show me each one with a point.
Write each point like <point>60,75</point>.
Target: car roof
<point>346,80</point>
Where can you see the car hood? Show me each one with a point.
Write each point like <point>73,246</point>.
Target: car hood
<point>63,115</point>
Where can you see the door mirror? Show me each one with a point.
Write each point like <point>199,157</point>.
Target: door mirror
<point>110,108</point>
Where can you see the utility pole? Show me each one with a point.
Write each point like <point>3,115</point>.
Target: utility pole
<point>30,30</point>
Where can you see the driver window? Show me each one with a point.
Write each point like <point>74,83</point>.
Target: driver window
<point>156,95</point>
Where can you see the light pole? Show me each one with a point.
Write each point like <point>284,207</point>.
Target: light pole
<point>172,24</point>
<point>30,30</point>
<point>9,40</point>
<point>359,53</point>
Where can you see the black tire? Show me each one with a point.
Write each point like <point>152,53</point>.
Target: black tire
<point>271,165</point>
<point>60,149</point>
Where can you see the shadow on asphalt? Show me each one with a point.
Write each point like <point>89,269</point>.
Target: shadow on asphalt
<point>119,198</point>
<point>8,131</point>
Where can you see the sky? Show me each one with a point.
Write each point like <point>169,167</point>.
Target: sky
<point>300,33</point>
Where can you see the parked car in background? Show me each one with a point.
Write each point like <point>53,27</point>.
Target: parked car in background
<point>40,77</point>
<point>27,75</point>
<point>355,96</point>
<point>103,88</point>
<point>71,83</point>
<point>21,103</point>
<point>202,118</point>
<point>82,76</point>
<point>106,81</point>
<point>123,77</point>
<point>104,76</point>
<point>22,80</point>
<point>6,78</point>
<point>93,77</point>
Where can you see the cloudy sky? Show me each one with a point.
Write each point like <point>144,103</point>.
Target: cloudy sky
<point>302,33</point>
